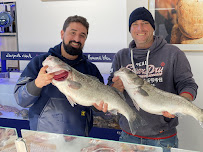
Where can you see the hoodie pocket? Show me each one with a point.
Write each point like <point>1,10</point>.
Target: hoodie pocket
<point>58,116</point>
<point>53,116</point>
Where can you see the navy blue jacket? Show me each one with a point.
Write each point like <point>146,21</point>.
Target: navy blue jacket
<point>49,109</point>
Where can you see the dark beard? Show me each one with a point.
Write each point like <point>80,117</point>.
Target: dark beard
<point>71,50</point>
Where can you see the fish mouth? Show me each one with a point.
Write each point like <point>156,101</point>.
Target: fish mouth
<point>61,75</point>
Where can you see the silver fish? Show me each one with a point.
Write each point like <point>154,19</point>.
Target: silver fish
<point>86,90</point>
<point>154,100</point>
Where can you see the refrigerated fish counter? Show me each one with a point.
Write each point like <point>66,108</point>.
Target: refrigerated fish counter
<point>34,141</point>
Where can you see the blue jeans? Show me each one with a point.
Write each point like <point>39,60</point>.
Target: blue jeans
<point>166,144</point>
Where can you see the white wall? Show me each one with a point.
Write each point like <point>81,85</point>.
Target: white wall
<point>40,23</point>
<point>189,131</point>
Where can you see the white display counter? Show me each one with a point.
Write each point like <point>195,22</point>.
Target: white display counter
<point>33,141</point>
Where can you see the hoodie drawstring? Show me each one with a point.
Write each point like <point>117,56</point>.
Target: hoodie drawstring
<point>147,62</point>
<point>131,55</point>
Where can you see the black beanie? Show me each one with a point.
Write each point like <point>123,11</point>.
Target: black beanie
<point>141,13</point>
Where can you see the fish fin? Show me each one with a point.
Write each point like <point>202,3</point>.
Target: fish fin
<point>74,84</point>
<point>71,101</point>
<point>178,114</point>
<point>138,80</point>
<point>113,111</point>
<point>201,118</point>
<point>136,105</point>
<point>119,93</point>
<point>201,124</point>
<point>135,122</point>
<point>143,92</point>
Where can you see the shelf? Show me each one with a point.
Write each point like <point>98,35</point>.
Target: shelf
<point>7,34</point>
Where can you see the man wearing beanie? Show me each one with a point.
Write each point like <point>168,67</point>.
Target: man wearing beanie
<point>163,65</point>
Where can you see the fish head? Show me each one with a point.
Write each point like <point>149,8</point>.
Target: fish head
<point>129,77</point>
<point>61,69</point>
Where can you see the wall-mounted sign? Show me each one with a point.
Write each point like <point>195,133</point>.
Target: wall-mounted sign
<point>93,57</point>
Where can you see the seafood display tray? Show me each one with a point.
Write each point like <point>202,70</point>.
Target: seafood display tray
<point>34,141</point>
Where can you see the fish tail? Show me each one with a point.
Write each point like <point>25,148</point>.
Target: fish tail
<point>201,118</point>
<point>135,122</point>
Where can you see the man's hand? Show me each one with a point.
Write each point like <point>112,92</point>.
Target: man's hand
<point>101,107</point>
<point>187,96</point>
<point>43,78</point>
<point>118,84</point>
<point>168,115</point>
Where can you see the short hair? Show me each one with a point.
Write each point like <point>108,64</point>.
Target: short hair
<point>78,19</point>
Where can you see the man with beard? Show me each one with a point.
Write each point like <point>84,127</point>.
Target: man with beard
<point>49,109</point>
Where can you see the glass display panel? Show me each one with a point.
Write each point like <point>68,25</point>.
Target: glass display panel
<point>50,142</point>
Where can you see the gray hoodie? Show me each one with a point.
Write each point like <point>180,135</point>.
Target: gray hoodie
<point>166,67</point>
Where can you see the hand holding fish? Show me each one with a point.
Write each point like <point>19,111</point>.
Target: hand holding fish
<point>167,114</point>
<point>43,78</point>
<point>101,107</point>
<point>187,96</point>
<point>118,84</point>
<point>85,90</point>
<point>156,101</point>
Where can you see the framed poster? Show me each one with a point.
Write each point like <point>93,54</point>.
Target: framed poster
<point>180,22</point>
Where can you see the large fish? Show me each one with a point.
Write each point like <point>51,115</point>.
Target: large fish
<point>86,90</point>
<point>154,100</point>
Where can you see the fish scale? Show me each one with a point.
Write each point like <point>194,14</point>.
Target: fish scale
<point>86,90</point>
<point>154,100</point>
